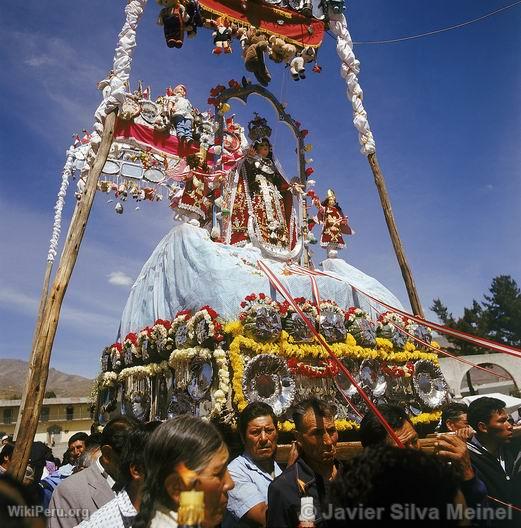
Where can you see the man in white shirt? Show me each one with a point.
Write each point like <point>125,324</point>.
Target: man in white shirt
<point>121,510</point>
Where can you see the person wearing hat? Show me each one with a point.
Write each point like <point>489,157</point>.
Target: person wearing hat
<point>5,440</point>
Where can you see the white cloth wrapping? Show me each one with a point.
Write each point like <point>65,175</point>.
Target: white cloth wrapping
<point>187,271</point>
<point>60,201</point>
<point>349,71</point>
<point>115,96</point>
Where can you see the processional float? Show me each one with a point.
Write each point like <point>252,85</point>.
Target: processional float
<point>191,340</point>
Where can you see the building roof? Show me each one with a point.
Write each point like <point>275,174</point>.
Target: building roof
<point>48,401</point>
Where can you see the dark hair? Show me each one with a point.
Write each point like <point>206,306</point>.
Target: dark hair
<point>320,408</point>
<point>116,431</point>
<point>6,452</point>
<point>93,441</point>
<point>252,411</point>
<point>14,493</point>
<point>184,439</point>
<point>78,436</point>
<point>384,476</point>
<point>372,432</point>
<point>452,411</point>
<point>133,452</point>
<point>481,410</point>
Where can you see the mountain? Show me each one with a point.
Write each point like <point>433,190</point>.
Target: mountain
<point>14,371</point>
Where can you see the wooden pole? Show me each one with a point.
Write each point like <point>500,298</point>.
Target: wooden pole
<point>34,390</point>
<point>41,307</point>
<point>414,299</point>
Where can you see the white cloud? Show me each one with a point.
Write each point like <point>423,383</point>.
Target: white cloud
<point>118,278</point>
<point>39,60</point>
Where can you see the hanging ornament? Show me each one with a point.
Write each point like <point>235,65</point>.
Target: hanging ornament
<point>119,208</point>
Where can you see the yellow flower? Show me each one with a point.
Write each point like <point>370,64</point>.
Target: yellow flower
<point>233,327</point>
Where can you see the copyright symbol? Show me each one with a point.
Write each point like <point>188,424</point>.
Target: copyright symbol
<point>307,511</point>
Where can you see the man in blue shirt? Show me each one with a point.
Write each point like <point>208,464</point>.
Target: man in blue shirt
<point>255,469</point>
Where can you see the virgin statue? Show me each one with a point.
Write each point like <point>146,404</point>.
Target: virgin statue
<point>260,200</point>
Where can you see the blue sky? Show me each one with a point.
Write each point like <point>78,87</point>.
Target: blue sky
<point>444,110</point>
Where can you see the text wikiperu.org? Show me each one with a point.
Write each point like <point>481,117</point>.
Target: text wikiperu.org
<point>412,512</point>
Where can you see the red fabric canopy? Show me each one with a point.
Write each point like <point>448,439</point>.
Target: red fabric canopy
<point>285,23</point>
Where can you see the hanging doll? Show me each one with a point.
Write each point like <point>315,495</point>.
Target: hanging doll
<point>173,17</point>
<point>334,223</point>
<point>222,36</point>
<point>194,18</point>
<point>181,113</point>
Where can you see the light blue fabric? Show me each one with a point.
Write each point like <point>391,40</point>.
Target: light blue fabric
<point>251,488</point>
<point>187,270</point>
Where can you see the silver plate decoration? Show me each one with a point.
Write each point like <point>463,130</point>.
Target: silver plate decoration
<point>145,356</point>
<point>180,403</point>
<point>105,360</point>
<point>341,381</point>
<point>201,377</point>
<point>161,395</point>
<point>267,379</point>
<point>332,325</point>
<point>149,111</point>
<point>137,399</point>
<point>182,337</point>
<point>363,331</point>
<point>115,361</point>
<point>372,378</point>
<point>398,338</point>
<point>111,167</point>
<point>154,175</point>
<point>202,332</point>
<point>263,323</point>
<point>297,328</point>
<point>128,358</point>
<point>131,170</point>
<point>429,385</point>
<point>108,399</point>
<point>422,335</point>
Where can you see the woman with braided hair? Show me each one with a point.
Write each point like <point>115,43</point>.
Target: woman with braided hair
<point>190,442</point>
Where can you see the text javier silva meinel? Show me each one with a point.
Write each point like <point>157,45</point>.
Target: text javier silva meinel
<point>413,512</point>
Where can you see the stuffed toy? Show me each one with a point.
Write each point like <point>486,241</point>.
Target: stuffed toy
<point>172,17</point>
<point>254,44</point>
<point>222,36</point>
<point>280,51</point>
<point>297,65</point>
<point>194,18</point>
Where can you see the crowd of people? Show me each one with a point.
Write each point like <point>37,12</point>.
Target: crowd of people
<point>133,474</point>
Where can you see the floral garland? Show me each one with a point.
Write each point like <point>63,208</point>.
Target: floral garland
<point>331,306</point>
<point>211,317</point>
<point>355,313</point>
<point>131,342</point>
<point>398,371</point>
<point>327,370</point>
<point>105,380</point>
<point>144,371</point>
<point>177,357</point>
<point>390,318</point>
<point>306,306</point>
<point>250,301</point>
<point>220,396</point>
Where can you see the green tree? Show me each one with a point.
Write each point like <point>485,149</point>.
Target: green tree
<point>498,317</point>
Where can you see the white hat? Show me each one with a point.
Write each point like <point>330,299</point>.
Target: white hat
<point>5,437</point>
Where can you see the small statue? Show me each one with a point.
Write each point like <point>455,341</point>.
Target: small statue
<point>181,113</point>
<point>335,224</point>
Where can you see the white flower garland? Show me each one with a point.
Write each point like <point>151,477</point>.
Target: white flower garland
<point>144,371</point>
<point>220,396</point>
<point>349,70</point>
<point>201,314</point>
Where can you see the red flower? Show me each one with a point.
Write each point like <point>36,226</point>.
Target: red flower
<point>243,304</point>
<point>262,295</point>
<point>309,171</point>
<point>317,68</point>
<point>212,101</point>
<point>132,337</point>
<point>304,133</point>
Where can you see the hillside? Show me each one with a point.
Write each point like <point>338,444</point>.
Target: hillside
<point>14,371</point>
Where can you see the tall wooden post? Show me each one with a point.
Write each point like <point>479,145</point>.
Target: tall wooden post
<point>395,237</point>
<point>34,390</point>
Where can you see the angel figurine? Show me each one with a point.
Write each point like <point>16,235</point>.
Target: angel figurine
<point>334,223</point>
